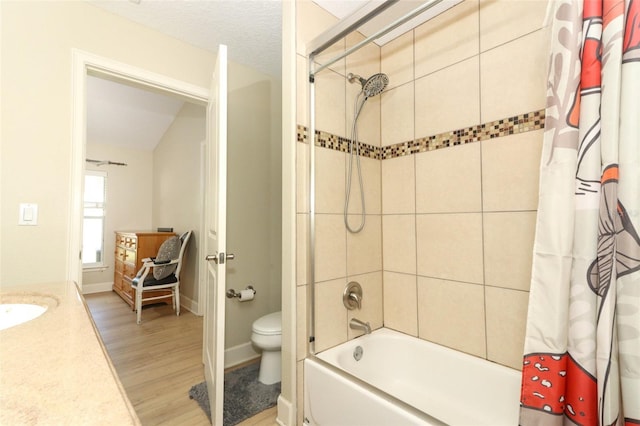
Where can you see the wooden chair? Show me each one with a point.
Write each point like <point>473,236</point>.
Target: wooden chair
<point>146,280</point>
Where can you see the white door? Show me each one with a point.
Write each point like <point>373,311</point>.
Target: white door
<point>215,241</point>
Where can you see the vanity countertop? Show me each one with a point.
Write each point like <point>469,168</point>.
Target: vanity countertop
<point>54,369</point>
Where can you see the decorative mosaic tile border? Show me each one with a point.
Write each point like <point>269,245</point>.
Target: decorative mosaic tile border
<point>337,143</point>
<point>495,129</point>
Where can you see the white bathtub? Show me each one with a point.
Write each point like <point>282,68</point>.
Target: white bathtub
<point>422,383</point>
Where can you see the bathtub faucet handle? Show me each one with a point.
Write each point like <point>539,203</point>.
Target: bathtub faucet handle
<point>357,299</point>
<point>352,296</point>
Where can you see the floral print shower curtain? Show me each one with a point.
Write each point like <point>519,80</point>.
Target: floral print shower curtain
<point>582,347</point>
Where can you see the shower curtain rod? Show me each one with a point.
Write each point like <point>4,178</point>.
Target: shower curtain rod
<point>395,24</point>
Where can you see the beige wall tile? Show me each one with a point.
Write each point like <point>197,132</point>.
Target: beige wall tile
<point>449,180</point>
<point>365,61</point>
<point>311,21</point>
<point>302,177</point>
<point>452,314</point>
<point>330,247</point>
<point>302,314</point>
<point>513,77</point>
<point>369,118</point>
<point>398,185</point>
<point>447,39</point>
<point>333,51</point>
<point>301,248</point>
<point>508,249</point>
<point>371,311</point>
<point>364,249</point>
<point>399,243</point>
<point>302,101</point>
<point>448,99</point>
<point>401,302</point>
<point>397,115</point>
<point>510,172</point>
<point>370,169</point>
<point>330,103</point>
<point>329,185</point>
<point>397,60</point>
<point>450,246</point>
<point>330,314</point>
<point>504,20</point>
<point>506,325</point>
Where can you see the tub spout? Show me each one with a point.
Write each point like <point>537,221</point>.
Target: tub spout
<point>356,324</point>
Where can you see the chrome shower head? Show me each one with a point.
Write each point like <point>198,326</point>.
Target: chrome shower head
<point>375,85</point>
<point>372,86</point>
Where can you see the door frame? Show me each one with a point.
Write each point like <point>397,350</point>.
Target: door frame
<point>85,63</point>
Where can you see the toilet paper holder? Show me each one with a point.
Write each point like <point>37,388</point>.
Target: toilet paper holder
<point>231,293</point>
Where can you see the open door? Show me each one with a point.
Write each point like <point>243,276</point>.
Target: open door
<point>215,240</point>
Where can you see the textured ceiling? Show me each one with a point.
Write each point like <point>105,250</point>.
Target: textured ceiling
<point>118,114</point>
<point>252,29</point>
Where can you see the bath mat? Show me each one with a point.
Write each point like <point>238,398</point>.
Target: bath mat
<point>244,395</point>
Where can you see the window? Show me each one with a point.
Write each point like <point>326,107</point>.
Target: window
<point>95,191</point>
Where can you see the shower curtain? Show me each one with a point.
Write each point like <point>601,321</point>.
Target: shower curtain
<point>582,347</point>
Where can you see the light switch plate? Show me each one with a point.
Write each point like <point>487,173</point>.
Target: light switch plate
<point>28,214</point>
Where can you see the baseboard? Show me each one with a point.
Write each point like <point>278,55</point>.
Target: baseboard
<point>239,354</point>
<point>188,304</point>
<point>285,412</point>
<point>96,288</point>
<point>185,302</point>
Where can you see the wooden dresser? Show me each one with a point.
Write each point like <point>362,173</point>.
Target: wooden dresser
<point>131,248</point>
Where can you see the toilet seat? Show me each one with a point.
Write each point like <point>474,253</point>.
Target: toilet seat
<point>268,325</point>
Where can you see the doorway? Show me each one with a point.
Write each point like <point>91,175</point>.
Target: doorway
<point>147,145</point>
<point>85,66</point>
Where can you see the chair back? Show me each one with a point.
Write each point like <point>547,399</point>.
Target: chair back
<point>184,239</point>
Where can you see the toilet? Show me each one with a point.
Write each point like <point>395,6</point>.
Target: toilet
<point>267,336</point>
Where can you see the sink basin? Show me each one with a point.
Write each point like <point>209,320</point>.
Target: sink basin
<point>12,314</point>
<point>20,307</point>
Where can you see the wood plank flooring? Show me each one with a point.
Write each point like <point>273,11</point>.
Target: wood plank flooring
<point>157,361</point>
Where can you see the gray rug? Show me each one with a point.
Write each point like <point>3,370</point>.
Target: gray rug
<point>244,395</point>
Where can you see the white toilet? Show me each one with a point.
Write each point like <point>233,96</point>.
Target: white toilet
<point>267,336</point>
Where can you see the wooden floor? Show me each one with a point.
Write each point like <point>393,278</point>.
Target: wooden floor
<point>157,361</point>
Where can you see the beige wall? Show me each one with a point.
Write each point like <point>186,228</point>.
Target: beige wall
<point>446,252</point>
<point>37,39</point>
<point>177,189</point>
<point>128,198</point>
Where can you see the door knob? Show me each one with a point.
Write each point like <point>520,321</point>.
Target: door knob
<point>220,258</point>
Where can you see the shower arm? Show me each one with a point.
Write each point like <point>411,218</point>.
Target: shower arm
<point>395,24</point>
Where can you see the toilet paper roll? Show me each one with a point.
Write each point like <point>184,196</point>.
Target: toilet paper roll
<point>246,295</point>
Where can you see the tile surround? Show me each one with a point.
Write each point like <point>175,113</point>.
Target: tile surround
<point>400,302</point>
<point>446,39</point>
<point>463,311</point>
<point>506,314</point>
<point>331,327</point>
<point>521,123</point>
<point>449,180</point>
<point>456,315</point>
<point>448,98</point>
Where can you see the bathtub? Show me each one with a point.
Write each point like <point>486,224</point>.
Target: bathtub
<point>402,380</point>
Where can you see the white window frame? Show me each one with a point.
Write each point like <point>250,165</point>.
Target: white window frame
<point>100,264</point>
